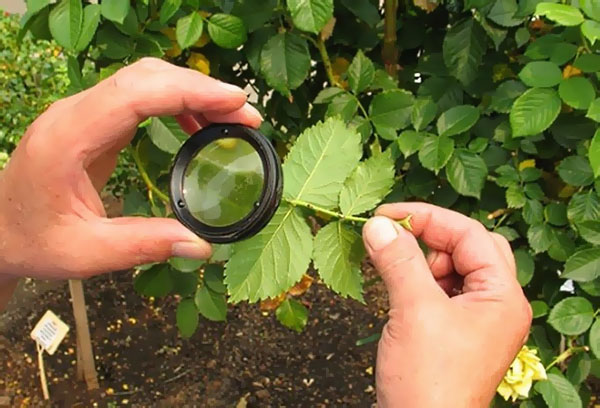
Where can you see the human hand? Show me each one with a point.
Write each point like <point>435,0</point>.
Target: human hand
<point>440,350</point>
<point>52,221</point>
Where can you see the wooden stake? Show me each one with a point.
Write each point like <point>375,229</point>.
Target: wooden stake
<point>84,344</point>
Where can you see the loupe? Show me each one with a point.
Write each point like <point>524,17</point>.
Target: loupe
<point>226,183</point>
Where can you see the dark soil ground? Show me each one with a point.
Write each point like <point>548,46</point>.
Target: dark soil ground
<point>249,361</point>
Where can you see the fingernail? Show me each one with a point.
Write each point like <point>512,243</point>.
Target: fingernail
<point>231,88</point>
<point>252,110</point>
<point>192,250</point>
<point>380,232</point>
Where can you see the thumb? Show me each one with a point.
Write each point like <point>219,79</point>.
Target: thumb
<point>400,262</point>
<point>130,241</point>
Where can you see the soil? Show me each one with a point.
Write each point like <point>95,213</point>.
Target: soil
<point>141,360</point>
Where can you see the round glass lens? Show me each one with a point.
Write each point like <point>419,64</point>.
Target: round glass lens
<point>223,182</point>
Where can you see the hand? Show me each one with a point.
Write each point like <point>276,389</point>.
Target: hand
<point>440,350</point>
<point>52,221</point>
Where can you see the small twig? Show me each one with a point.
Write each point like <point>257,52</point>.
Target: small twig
<point>151,186</point>
<point>178,376</point>
<point>566,354</point>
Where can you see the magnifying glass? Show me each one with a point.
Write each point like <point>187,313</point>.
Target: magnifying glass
<point>226,183</point>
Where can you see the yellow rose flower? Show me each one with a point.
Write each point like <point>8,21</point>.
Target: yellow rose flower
<point>519,378</point>
<point>175,50</point>
<point>199,62</point>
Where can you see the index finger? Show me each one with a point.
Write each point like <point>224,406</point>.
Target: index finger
<point>468,242</point>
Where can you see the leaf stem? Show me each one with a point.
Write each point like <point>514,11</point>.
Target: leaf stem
<point>404,222</point>
<point>566,354</point>
<point>151,186</point>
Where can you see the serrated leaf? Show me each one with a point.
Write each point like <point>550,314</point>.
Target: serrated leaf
<point>310,15</point>
<point>503,13</point>
<point>534,111</point>
<point>556,214</point>
<point>155,281</point>
<point>558,392</point>
<point>577,92</point>
<point>563,14</point>
<point>533,212</point>
<point>187,317</point>
<point>168,10</point>
<point>186,265</point>
<point>525,266</point>
<point>583,266</point>
<point>507,232</point>
<point>410,141</point>
<point>504,96</point>
<point>576,171</point>
<point>115,10</point>
<point>292,314</point>
<point>590,231</point>
<point>595,338</point>
<point>540,237</point>
<point>466,173</point>
<point>65,22</point>
<point>285,62</point>
<point>364,10</point>
<point>457,120</point>
<point>435,152</point>
<point>327,95</point>
<point>572,316</point>
<point>361,73</point>
<point>210,304</point>
<point>227,31</point>
<point>584,207</point>
<point>189,29</point>
<point>271,261</point>
<point>463,49</point>
<point>337,255</point>
<point>423,112</point>
<point>368,184</point>
<point>319,163</point>
<point>344,105</point>
<point>390,111</point>
<point>213,278</point>
<point>515,197</point>
<point>541,74</point>
<point>166,134</point>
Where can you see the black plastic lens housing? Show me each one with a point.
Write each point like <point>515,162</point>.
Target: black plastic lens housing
<point>263,209</point>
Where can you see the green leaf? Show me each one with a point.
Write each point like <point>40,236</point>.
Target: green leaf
<point>166,134</point>
<point>271,261</point>
<point>423,112</point>
<point>338,252</point>
<point>187,318</point>
<point>457,120</point>
<point>595,338</point>
<point>577,92</point>
<point>533,212</point>
<point>588,62</point>
<point>563,14</point>
<point>227,31</point>
<point>525,266</point>
<point>504,96</point>
<point>310,15</point>
<point>168,10</point>
<point>579,368</point>
<point>113,44</point>
<point>541,74</point>
<point>591,30</point>
<point>509,233</point>
<point>74,74</point>
<point>189,29</point>
<point>466,173</point>
<point>368,184</point>
<point>134,203</point>
<point>572,316</point>
<point>185,264</point>
<point>33,6</point>
<point>590,231</point>
<point>361,73</point>
<point>522,36</point>
<point>435,152</point>
<point>91,18</point>
<point>591,8</point>
<point>463,49</point>
<point>534,111</point>
<point>285,62</point>
<point>184,283</point>
<point>155,282</point>
<point>255,13</point>
<point>115,10</point>
<point>558,392</point>
<point>211,305</point>
<point>319,163</point>
<point>328,94</point>
<point>213,278</point>
<point>390,111</point>
<point>502,13</point>
<point>540,237</point>
<point>583,207</point>
<point>292,314</point>
<point>561,246</point>
<point>593,112</point>
<point>515,197</point>
<point>65,23</point>
<point>583,266</point>
<point>410,141</point>
<point>556,214</point>
<point>344,105</point>
<point>576,171</point>
<point>364,10</point>
<point>539,308</point>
